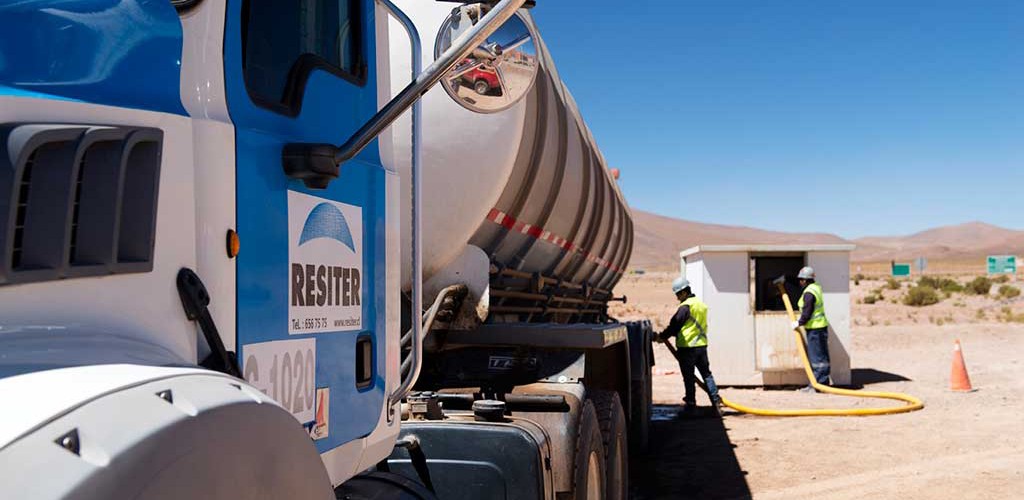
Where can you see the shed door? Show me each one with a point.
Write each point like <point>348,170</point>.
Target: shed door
<point>776,346</point>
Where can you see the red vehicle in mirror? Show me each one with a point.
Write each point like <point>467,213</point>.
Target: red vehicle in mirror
<point>482,80</point>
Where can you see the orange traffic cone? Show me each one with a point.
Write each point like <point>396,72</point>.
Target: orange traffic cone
<point>958,379</point>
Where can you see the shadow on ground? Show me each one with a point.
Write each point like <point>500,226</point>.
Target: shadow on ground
<point>689,457</point>
<point>860,377</point>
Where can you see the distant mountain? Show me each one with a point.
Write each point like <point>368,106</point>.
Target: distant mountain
<point>970,240</point>
<point>659,239</point>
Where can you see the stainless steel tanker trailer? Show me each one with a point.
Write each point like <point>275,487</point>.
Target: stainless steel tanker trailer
<point>528,388</point>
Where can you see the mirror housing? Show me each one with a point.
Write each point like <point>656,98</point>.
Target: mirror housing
<point>312,163</point>
<point>499,72</point>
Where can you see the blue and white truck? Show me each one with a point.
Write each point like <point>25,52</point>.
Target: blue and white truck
<point>306,249</point>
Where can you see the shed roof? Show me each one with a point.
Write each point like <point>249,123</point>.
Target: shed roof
<point>767,248</point>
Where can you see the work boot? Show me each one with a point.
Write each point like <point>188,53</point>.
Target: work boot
<point>809,389</point>
<point>688,410</point>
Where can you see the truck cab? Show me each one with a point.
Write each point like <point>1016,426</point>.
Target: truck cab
<point>212,273</point>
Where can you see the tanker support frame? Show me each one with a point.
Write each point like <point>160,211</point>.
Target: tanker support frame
<point>529,411</point>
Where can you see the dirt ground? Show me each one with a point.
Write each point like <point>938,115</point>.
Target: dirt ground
<point>962,445</point>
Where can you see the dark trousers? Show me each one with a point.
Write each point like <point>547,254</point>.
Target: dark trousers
<point>817,352</point>
<point>696,357</point>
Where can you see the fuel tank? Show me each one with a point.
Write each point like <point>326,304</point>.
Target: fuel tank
<point>527,185</point>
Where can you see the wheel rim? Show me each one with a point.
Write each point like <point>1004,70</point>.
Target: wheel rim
<point>594,491</point>
<point>481,88</point>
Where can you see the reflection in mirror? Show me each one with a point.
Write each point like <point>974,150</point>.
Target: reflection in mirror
<point>499,72</point>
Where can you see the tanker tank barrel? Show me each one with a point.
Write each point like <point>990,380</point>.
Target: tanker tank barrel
<point>550,234</point>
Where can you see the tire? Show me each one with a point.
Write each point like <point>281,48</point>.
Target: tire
<point>640,421</point>
<point>640,387</point>
<point>588,461</point>
<point>378,485</point>
<point>481,87</point>
<point>612,419</point>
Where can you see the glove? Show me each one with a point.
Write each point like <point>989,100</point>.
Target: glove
<point>795,325</point>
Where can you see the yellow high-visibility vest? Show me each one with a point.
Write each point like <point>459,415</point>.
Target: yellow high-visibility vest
<point>818,319</point>
<point>694,332</point>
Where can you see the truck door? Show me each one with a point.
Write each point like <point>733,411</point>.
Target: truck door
<point>312,267</point>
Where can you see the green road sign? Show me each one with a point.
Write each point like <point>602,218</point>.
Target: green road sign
<point>899,270</point>
<point>1002,264</point>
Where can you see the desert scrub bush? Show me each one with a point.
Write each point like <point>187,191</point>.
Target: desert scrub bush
<point>919,296</point>
<point>980,314</point>
<point>857,278</point>
<point>1008,316</point>
<point>892,284</point>
<point>1009,292</point>
<point>1002,278</point>
<point>979,286</point>
<point>950,286</point>
<point>871,298</point>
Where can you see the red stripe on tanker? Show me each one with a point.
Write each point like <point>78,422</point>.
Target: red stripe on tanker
<point>508,222</point>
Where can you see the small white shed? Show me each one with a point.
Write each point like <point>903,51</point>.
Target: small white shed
<point>750,341</point>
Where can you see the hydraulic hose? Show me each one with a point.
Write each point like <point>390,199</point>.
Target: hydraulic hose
<point>913,403</point>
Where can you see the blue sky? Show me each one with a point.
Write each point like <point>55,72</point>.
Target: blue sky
<point>866,117</point>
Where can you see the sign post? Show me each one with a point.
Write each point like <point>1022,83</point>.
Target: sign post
<point>1002,264</point>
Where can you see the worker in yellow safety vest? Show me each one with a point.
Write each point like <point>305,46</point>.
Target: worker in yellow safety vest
<point>812,318</point>
<point>689,325</point>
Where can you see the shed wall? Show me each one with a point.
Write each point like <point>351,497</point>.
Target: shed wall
<point>730,322</point>
<point>833,270</point>
<point>722,280</point>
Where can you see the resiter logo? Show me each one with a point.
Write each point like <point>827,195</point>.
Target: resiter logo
<point>319,284</point>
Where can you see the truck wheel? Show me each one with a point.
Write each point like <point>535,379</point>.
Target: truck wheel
<point>589,476</point>
<point>377,485</point>
<point>612,419</point>
<point>640,421</point>
<point>645,420</point>
<point>481,87</point>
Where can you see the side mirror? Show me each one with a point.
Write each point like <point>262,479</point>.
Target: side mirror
<point>499,72</point>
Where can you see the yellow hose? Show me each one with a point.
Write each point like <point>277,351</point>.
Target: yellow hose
<point>913,403</point>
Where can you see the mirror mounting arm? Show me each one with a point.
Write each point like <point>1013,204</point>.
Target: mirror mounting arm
<point>318,164</point>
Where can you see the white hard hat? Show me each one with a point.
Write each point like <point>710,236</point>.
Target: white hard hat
<point>680,284</point>
<point>807,273</point>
